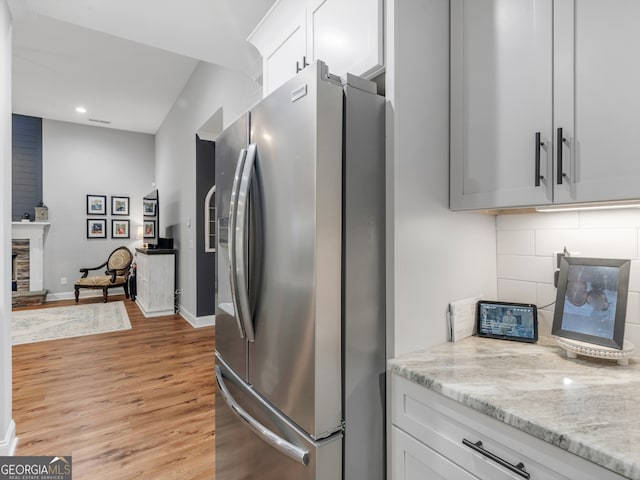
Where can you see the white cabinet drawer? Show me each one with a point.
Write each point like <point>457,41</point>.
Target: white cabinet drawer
<point>413,460</point>
<point>442,424</point>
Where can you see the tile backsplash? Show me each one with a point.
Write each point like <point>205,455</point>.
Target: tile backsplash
<point>525,255</point>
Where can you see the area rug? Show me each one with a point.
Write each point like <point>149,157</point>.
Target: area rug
<point>43,324</point>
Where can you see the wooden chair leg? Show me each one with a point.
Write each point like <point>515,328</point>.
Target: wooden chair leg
<point>126,290</point>
<point>77,292</point>
<point>105,294</point>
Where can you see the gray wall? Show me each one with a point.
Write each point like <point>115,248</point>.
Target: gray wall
<point>209,88</point>
<point>80,160</point>
<point>434,255</point>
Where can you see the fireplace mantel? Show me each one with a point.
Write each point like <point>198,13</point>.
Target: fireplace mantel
<point>35,233</point>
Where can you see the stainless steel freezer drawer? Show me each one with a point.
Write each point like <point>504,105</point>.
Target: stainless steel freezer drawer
<point>246,426</point>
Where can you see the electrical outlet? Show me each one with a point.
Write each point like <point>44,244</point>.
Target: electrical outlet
<point>63,280</point>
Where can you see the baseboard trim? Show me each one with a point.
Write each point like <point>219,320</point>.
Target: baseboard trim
<point>53,297</point>
<point>196,322</point>
<point>10,442</point>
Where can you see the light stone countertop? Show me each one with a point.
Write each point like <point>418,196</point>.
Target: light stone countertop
<point>589,407</point>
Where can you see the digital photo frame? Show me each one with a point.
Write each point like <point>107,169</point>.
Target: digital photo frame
<point>591,301</point>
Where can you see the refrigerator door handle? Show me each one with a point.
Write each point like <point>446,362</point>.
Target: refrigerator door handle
<point>296,453</point>
<point>233,210</point>
<point>240,245</point>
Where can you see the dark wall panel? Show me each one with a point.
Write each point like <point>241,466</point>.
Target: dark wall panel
<point>26,165</point>
<point>205,261</point>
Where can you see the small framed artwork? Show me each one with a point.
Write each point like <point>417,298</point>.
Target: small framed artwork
<point>591,302</point>
<point>120,206</point>
<point>149,229</point>
<point>119,228</point>
<point>96,204</point>
<point>149,207</point>
<point>96,228</point>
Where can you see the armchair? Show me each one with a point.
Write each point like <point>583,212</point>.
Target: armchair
<point>116,274</point>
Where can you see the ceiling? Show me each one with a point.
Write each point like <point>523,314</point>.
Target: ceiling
<point>125,61</point>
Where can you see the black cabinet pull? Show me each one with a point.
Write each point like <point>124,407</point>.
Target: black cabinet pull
<point>304,64</point>
<point>539,143</point>
<point>518,469</point>
<point>560,174</point>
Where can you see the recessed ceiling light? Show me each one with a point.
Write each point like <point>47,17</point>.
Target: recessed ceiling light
<point>81,110</point>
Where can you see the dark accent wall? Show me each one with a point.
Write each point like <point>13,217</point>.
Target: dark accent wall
<point>205,261</point>
<point>26,165</point>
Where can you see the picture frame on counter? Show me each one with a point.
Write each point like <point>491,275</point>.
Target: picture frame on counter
<point>119,228</point>
<point>120,206</point>
<point>96,228</point>
<point>96,204</point>
<point>591,301</point>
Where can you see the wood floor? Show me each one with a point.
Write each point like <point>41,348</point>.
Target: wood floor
<point>134,404</point>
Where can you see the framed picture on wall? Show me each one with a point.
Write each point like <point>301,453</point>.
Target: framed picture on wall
<point>149,207</point>
<point>149,229</point>
<point>96,228</point>
<point>119,228</point>
<point>591,302</point>
<point>96,204</point>
<point>120,206</point>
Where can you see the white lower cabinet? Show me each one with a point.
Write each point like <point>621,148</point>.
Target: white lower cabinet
<point>413,460</point>
<point>436,437</point>
<point>155,282</point>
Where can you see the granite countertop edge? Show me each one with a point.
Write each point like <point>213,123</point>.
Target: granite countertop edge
<point>403,368</point>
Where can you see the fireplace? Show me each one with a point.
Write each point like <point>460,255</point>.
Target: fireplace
<point>14,280</point>
<point>27,244</point>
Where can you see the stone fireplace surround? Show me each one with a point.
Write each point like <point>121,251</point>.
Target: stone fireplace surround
<point>27,239</point>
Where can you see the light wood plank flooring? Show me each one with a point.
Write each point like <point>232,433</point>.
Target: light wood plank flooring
<point>136,404</point>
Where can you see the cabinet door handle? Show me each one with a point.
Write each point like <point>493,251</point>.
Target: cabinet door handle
<point>304,64</point>
<point>518,469</point>
<point>539,144</point>
<point>561,141</point>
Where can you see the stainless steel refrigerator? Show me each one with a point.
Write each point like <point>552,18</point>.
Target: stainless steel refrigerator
<point>300,320</point>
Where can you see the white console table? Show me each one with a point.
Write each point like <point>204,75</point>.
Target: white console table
<point>155,281</point>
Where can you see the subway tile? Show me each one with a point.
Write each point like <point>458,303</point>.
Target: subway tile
<point>538,221</point>
<point>622,218</point>
<point>632,334</point>
<point>545,295</point>
<point>598,243</point>
<point>516,242</point>
<point>525,268</point>
<point>634,276</point>
<point>545,322</point>
<point>516,291</point>
<point>633,308</point>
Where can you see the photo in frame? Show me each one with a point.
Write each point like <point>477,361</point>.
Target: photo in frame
<point>96,204</point>
<point>149,207</point>
<point>591,301</point>
<point>96,228</point>
<point>149,229</point>
<point>119,228</point>
<point>119,206</point>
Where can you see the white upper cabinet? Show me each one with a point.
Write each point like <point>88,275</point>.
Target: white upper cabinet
<point>501,94</point>
<point>597,98</point>
<point>345,34</point>
<point>281,38</point>
<point>543,102</point>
